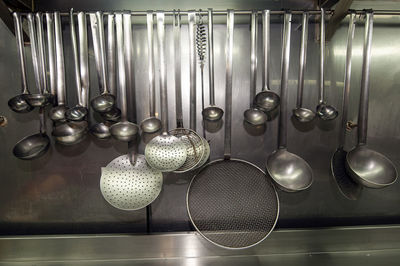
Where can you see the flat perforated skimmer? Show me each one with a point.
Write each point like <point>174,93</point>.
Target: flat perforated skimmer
<point>130,187</point>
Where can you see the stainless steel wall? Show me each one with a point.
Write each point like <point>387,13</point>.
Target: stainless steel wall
<point>60,191</point>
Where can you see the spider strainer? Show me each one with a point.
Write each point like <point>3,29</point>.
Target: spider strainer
<point>130,187</point>
<point>230,202</point>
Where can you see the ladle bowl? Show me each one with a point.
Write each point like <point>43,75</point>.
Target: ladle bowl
<point>212,113</point>
<point>100,131</point>
<point>57,113</point>
<point>114,115</point>
<point>19,104</point>
<point>370,168</point>
<point>150,125</point>
<point>32,146</point>
<point>37,100</point>
<point>103,103</point>
<point>124,131</point>
<point>326,112</point>
<point>290,172</point>
<point>70,133</point>
<point>255,116</point>
<point>267,101</point>
<point>76,113</point>
<point>303,115</point>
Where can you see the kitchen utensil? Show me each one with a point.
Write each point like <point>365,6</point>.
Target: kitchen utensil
<point>230,202</point>
<point>165,153</point>
<point>254,115</point>
<point>151,124</point>
<point>101,130</point>
<point>78,112</point>
<point>124,130</point>
<point>366,166</point>
<point>212,112</point>
<point>51,55</point>
<point>289,172</point>
<point>105,101</point>
<point>57,113</point>
<point>324,111</point>
<point>350,189</point>
<point>33,146</point>
<point>302,114</point>
<point>18,103</point>
<point>266,100</point>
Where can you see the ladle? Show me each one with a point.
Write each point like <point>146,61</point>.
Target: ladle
<point>51,56</point>
<point>254,115</point>
<point>212,112</point>
<point>302,114</point>
<point>151,124</point>
<point>78,112</point>
<point>18,103</point>
<point>33,146</point>
<point>266,100</point>
<point>366,166</point>
<point>124,130</point>
<point>106,101</point>
<point>324,111</point>
<point>290,172</point>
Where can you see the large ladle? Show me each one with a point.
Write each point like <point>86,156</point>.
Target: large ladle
<point>152,123</point>
<point>366,166</point>
<point>18,103</point>
<point>124,130</point>
<point>302,114</point>
<point>212,112</point>
<point>105,101</point>
<point>324,110</point>
<point>266,100</point>
<point>33,146</point>
<point>253,115</point>
<point>290,172</point>
<point>78,112</point>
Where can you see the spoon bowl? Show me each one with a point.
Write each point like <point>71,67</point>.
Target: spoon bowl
<point>19,104</point>
<point>150,125</point>
<point>326,112</point>
<point>303,115</point>
<point>267,101</point>
<point>100,131</point>
<point>255,116</point>
<point>212,113</point>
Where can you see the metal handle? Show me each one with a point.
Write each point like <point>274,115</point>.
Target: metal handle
<point>163,81</point>
<point>59,60</point>
<point>75,57</point>
<point>230,23</point>
<point>102,50</point>
<point>253,56</point>
<point>112,86</point>
<point>42,121</point>
<point>121,65</point>
<point>282,135</point>
<point>364,95</point>
<point>266,17</point>
<point>322,58</point>
<point>35,59</point>
<point>83,58</point>
<point>96,49</point>
<point>150,45</point>
<point>51,53</point>
<point>128,59</point>
<point>40,52</point>
<point>193,68</point>
<point>347,78</point>
<point>211,56</point>
<point>21,51</point>
<point>177,62</point>
<point>303,59</point>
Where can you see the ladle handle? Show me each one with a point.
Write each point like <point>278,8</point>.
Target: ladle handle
<point>96,49</point>
<point>347,78</point>
<point>51,53</point>
<point>163,81</point>
<point>302,59</point>
<point>83,58</point>
<point>211,56</point>
<point>253,56</point>
<point>112,85</point>
<point>322,58</point>
<point>177,62</point>
<point>102,50</point>
<point>59,60</point>
<point>21,51</point>
<point>192,68</point>
<point>128,61</point>
<point>75,57</point>
<point>364,95</point>
<point>230,23</point>
<point>42,120</point>
<point>40,52</point>
<point>266,19</point>
<point>121,65</point>
<point>282,135</point>
<point>34,51</point>
<point>150,45</point>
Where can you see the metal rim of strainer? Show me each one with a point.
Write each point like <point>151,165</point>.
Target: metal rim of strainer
<point>138,168</point>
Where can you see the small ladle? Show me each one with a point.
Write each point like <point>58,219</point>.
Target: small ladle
<point>302,114</point>
<point>254,115</point>
<point>366,166</point>
<point>33,146</point>
<point>324,110</point>
<point>211,113</point>
<point>290,172</point>
<point>152,123</point>
<point>106,101</point>
<point>101,130</point>
<point>18,103</point>
<point>266,100</point>
<point>124,130</point>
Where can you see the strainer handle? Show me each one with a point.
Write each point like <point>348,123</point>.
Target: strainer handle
<point>121,65</point>
<point>152,85</point>
<point>128,62</point>
<point>177,62</point>
<point>163,82</point>
<point>193,68</point>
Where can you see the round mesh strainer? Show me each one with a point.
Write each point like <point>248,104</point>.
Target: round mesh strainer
<point>130,187</point>
<point>232,204</point>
